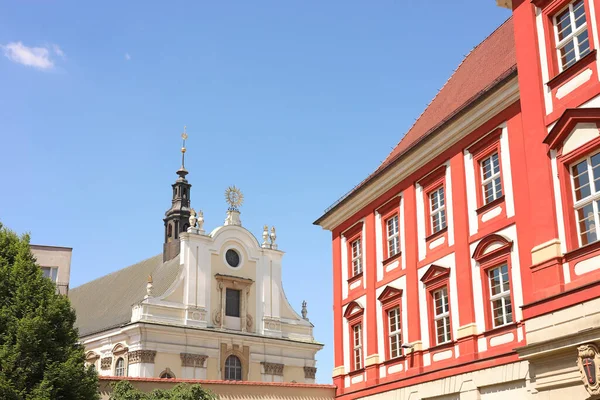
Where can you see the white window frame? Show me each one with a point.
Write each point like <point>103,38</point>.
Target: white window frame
<point>393,315</point>
<point>443,317</point>
<point>572,37</point>
<point>491,179</point>
<point>393,240</point>
<point>356,248</point>
<point>503,295</point>
<point>120,370</point>
<point>440,193</point>
<point>357,346</point>
<point>593,198</point>
<point>53,273</point>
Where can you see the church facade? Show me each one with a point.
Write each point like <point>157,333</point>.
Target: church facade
<point>210,307</point>
<point>467,266</point>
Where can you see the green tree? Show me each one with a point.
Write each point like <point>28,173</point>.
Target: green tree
<point>40,357</point>
<point>124,390</point>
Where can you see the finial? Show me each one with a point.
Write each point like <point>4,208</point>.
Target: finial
<point>265,236</point>
<point>304,311</point>
<point>184,136</point>
<point>149,287</point>
<point>193,220</point>
<point>273,238</point>
<point>234,197</point>
<point>201,221</point>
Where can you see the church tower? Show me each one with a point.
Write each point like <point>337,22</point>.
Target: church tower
<point>177,217</point>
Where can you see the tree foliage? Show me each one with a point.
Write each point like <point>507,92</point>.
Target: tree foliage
<point>40,358</point>
<point>124,390</point>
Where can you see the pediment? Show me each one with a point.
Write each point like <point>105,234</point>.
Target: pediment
<point>576,126</point>
<point>491,245</point>
<point>434,273</point>
<point>389,293</point>
<point>354,309</point>
<point>119,349</point>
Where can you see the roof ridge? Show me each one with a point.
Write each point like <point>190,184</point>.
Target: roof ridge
<point>114,272</point>
<point>442,87</point>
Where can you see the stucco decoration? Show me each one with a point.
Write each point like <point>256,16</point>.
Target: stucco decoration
<point>272,368</point>
<point>142,356</point>
<point>310,372</point>
<point>106,363</point>
<point>192,360</point>
<point>588,361</point>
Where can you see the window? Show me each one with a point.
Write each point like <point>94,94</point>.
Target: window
<point>500,296</point>
<point>491,185</point>
<point>356,257</point>
<point>167,374</point>
<point>233,369</point>
<point>232,302</point>
<point>395,336</point>
<point>441,314</point>
<point>586,198</point>
<point>50,272</point>
<point>393,236</point>
<point>120,367</point>
<point>357,346</point>
<point>437,210</point>
<point>570,27</point>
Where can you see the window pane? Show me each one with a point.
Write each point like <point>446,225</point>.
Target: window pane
<point>596,171</point>
<point>232,302</point>
<point>586,223</point>
<point>498,312</point>
<point>581,181</point>
<point>579,13</point>
<point>488,192</point>
<point>498,186</point>
<point>508,309</point>
<point>583,43</point>
<point>443,218</point>
<point>495,163</point>
<point>494,275</point>
<point>563,24</point>
<point>486,168</point>
<point>567,54</point>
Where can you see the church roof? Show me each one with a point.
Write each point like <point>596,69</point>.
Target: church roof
<point>106,302</point>
<point>487,65</point>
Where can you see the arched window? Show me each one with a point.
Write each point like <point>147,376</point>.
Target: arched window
<point>170,230</point>
<point>120,367</point>
<point>167,374</point>
<point>233,369</point>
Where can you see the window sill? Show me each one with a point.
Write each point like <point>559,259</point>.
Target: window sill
<point>392,258</point>
<point>582,251</point>
<point>500,329</point>
<point>355,278</point>
<point>571,71</point>
<point>394,360</point>
<point>490,205</point>
<point>442,346</point>
<point>356,372</point>
<point>436,235</point>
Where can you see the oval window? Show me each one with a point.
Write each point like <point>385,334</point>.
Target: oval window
<point>233,258</point>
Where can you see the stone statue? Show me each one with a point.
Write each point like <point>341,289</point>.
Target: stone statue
<point>193,218</point>
<point>149,287</point>
<point>273,238</point>
<point>200,221</point>
<point>265,236</point>
<point>304,311</point>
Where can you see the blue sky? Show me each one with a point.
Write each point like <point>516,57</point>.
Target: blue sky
<point>294,102</point>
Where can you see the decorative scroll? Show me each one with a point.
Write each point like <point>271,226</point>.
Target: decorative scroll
<point>105,363</point>
<point>272,368</point>
<point>142,356</point>
<point>310,372</point>
<point>192,360</point>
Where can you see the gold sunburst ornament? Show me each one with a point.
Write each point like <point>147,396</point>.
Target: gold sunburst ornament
<point>234,197</point>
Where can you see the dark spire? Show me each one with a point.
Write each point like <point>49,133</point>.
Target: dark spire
<point>177,217</point>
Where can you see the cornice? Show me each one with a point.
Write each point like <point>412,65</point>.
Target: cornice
<point>437,143</point>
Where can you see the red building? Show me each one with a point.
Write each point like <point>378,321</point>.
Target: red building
<point>467,266</point>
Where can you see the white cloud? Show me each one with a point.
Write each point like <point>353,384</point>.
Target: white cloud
<point>58,51</point>
<point>127,56</point>
<point>37,57</point>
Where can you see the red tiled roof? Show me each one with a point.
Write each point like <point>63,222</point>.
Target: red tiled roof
<point>486,65</point>
<point>481,69</point>
<point>218,382</point>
